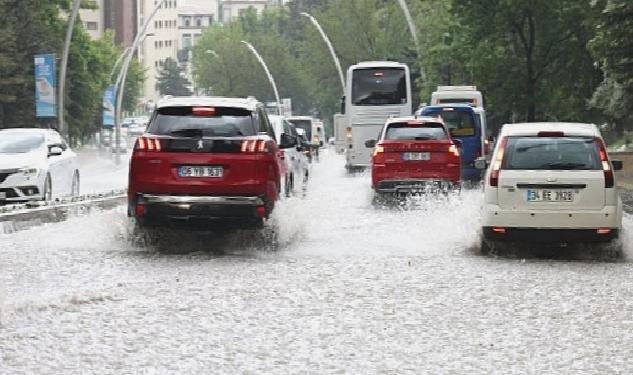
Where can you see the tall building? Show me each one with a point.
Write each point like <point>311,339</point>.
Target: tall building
<point>229,10</point>
<point>121,16</point>
<point>116,15</point>
<point>160,43</point>
<point>94,19</point>
<point>193,17</point>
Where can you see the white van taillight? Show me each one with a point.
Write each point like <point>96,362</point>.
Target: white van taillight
<point>496,163</point>
<point>606,166</point>
<point>148,144</point>
<point>256,145</point>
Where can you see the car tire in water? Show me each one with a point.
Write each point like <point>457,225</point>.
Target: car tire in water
<point>47,193</point>
<point>75,187</point>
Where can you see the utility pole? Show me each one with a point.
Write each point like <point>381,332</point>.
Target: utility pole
<point>62,71</point>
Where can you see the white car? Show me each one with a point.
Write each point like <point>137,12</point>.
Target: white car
<point>36,164</point>
<point>550,183</point>
<point>296,160</point>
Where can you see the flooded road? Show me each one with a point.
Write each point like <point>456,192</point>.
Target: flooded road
<point>345,288</point>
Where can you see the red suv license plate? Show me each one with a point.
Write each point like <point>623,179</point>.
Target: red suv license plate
<point>200,171</point>
<point>416,156</point>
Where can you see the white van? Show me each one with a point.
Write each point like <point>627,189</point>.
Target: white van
<point>457,95</point>
<point>550,183</point>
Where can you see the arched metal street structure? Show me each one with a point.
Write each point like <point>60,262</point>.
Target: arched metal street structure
<point>270,76</point>
<point>120,81</point>
<point>329,46</point>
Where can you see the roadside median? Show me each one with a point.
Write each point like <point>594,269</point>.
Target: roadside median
<point>18,217</point>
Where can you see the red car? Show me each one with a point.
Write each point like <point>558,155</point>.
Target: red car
<point>415,155</point>
<point>213,160</point>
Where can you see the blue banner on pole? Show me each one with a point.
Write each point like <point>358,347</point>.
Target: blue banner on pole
<point>45,86</point>
<point>109,102</point>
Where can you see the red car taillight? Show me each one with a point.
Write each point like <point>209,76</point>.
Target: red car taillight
<point>453,150</point>
<point>606,165</point>
<point>496,163</point>
<point>148,144</point>
<point>257,145</point>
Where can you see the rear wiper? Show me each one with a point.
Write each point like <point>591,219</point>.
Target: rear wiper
<point>565,165</point>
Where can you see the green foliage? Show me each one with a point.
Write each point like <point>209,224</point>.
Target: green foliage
<point>29,27</point>
<point>613,48</point>
<point>171,80</point>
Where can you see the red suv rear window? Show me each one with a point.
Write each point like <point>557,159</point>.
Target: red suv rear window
<point>223,122</point>
<point>415,132</point>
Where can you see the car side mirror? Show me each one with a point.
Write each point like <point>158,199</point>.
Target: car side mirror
<point>617,165</point>
<point>481,164</point>
<point>287,141</point>
<point>55,151</point>
<point>370,143</point>
<point>458,143</point>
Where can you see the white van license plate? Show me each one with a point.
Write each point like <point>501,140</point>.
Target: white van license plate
<point>416,156</point>
<point>200,171</point>
<point>550,196</point>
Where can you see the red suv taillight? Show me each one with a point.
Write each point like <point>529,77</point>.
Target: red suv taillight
<point>496,163</point>
<point>257,145</point>
<point>606,165</point>
<point>148,144</point>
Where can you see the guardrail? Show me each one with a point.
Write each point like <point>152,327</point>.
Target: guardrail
<point>16,217</point>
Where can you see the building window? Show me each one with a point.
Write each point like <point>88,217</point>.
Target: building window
<point>210,20</point>
<point>199,22</point>
<point>91,26</point>
<point>187,22</point>
<point>186,40</point>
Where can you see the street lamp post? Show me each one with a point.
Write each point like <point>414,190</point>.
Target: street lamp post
<point>62,70</point>
<point>270,76</point>
<point>414,32</point>
<point>329,46</point>
<point>121,80</point>
<point>118,62</point>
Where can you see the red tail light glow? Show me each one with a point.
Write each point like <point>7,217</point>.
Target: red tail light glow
<point>203,111</point>
<point>256,145</point>
<point>148,144</point>
<point>550,134</point>
<point>453,150</point>
<point>496,163</point>
<point>606,165</point>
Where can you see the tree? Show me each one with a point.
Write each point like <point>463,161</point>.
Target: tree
<point>29,27</point>
<point>171,80</point>
<point>531,55</point>
<point>613,48</point>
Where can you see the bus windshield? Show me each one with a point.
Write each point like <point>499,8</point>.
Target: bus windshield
<point>459,123</point>
<point>379,86</point>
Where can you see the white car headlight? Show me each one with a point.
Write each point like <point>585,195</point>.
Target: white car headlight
<point>29,172</point>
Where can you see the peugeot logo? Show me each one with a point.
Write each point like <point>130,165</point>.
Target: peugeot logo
<point>200,144</point>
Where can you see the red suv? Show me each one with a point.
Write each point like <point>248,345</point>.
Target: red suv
<point>415,154</point>
<point>207,159</point>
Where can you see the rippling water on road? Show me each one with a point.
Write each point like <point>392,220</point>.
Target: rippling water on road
<point>345,287</point>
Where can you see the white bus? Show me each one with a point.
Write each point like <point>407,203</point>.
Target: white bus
<point>374,91</point>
